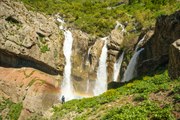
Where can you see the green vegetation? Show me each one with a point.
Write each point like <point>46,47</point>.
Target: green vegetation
<point>98,17</point>
<point>44,48</point>
<point>34,80</point>
<point>28,75</point>
<point>13,109</point>
<point>143,111</point>
<point>136,100</point>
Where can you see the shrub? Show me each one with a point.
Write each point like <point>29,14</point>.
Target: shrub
<point>146,110</point>
<point>14,109</point>
<point>44,48</point>
<point>141,97</point>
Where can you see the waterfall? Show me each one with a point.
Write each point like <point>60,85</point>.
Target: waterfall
<point>88,56</point>
<point>130,72</point>
<point>87,86</point>
<point>101,81</point>
<point>119,24</point>
<point>67,87</point>
<point>88,63</point>
<point>117,66</point>
<point>139,43</point>
<point>62,23</point>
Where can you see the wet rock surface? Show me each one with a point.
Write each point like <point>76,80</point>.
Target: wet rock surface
<point>174,60</point>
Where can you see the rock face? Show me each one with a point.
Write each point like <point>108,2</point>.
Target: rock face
<point>114,51</point>
<point>84,61</point>
<point>174,60</point>
<point>29,39</point>
<point>156,49</point>
<point>79,58</point>
<point>37,91</point>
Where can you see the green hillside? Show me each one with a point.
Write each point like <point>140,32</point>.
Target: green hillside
<point>150,97</point>
<point>98,17</point>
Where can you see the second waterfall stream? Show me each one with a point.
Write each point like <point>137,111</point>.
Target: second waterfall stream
<point>101,81</point>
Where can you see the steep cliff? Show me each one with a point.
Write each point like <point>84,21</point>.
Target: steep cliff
<point>156,49</point>
<point>29,39</point>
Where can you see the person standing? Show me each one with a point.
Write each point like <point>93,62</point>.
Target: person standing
<point>63,99</point>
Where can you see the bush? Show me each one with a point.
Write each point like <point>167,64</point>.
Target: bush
<point>141,97</point>
<point>14,109</point>
<point>146,110</point>
<point>44,48</point>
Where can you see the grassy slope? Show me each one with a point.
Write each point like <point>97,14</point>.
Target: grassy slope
<point>150,97</point>
<point>98,17</point>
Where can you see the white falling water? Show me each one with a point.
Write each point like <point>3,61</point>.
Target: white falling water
<point>62,23</point>
<point>122,26</point>
<point>139,43</point>
<point>87,86</point>
<point>130,73</point>
<point>117,66</point>
<point>67,88</point>
<point>101,81</point>
<point>88,59</point>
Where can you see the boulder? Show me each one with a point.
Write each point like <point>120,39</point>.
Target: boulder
<point>174,60</point>
<point>37,90</point>
<point>31,37</point>
<point>156,49</point>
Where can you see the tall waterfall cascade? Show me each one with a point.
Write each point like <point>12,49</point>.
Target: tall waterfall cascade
<point>117,67</point>
<point>67,88</point>
<point>131,72</point>
<point>101,81</point>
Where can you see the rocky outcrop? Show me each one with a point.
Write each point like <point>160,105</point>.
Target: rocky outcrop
<point>174,60</point>
<point>37,91</point>
<point>156,49</point>
<point>79,58</point>
<point>29,39</point>
<point>85,59</point>
<point>114,51</point>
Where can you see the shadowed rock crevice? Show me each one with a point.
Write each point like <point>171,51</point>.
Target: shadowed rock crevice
<point>8,59</point>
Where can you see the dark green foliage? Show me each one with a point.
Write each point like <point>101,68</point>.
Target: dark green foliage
<point>141,97</point>
<point>146,110</point>
<point>176,89</point>
<point>177,97</point>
